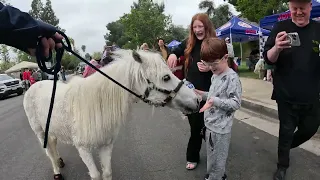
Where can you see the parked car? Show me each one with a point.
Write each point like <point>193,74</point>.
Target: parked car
<point>9,85</point>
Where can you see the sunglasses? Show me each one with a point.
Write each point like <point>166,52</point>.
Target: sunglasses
<point>212,64</point>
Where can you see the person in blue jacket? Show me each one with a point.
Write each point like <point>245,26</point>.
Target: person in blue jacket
<point>18,29</point>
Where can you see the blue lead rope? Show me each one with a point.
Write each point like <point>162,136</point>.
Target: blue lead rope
<point>54,70</point>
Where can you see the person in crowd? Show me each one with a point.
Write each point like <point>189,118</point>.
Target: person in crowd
<point>163,49</point>
<point>21,75</point>
<point>198,74</point>
<point>63,74</point>
<point>89,70</point>
<point>145,47</point>
<point>35,75</point>
<point>32,78</point>
<point>230,53</point>
<point>26,78</point>
<point>222,100</point>
<point>295,79</point>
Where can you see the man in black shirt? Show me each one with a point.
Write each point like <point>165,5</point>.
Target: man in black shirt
<point>296,80</point>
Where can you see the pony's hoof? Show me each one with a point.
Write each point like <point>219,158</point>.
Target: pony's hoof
<point>58,177</point>
<point>61,163</point>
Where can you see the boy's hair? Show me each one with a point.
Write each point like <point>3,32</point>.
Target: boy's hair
<point>213,48</point>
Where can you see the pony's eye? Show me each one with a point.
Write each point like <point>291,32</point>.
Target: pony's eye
<point>166,78</point>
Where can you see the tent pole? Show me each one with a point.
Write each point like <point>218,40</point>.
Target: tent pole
<point>241,50</point>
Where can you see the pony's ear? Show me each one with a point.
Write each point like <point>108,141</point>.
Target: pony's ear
<point>136,56</point>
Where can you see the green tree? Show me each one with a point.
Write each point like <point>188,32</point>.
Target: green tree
<point>96,55</point>
<point>22,56</point>
<point>116,34</point>
<point>4,52</point>
<point>176,32</point>
<point>219,15</point>
<point>140,27</point>
<point>87,56</point>
<point>208,6</point>
<point>5,65</point>
<point>254,10</point>
<point>36,9</point>
<point>83,48</point>
<point>48,15</point>
<point>4,2</point>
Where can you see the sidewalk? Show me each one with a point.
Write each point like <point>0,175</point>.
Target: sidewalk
<point>256,95</point>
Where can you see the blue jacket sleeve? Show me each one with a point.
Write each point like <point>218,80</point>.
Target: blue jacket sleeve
<point>18,29</point>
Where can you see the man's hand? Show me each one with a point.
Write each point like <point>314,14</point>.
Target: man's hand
<point>281,41</point>
<point>48,44</point>
<point>208,105</point>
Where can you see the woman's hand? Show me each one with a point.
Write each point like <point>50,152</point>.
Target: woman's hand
<point>202,67</point>
<point>172,61</point>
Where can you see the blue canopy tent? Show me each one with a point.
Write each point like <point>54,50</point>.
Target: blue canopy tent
<point>173,43</point>
<point>268,21</point>
<point>240,31</point>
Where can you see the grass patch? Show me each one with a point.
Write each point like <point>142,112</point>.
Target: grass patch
<point>244,71</point>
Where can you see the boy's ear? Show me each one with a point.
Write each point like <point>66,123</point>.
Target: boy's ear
<point>226,56</point>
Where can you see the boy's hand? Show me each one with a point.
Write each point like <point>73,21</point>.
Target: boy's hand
<point>208,105</point>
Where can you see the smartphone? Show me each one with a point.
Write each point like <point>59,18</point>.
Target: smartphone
<point>294,39</point>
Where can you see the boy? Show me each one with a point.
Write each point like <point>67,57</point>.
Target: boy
<point>222,100</point>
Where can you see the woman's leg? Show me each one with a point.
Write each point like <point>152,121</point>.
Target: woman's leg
<point>194,146</point>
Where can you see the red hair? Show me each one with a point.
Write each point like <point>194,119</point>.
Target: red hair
<point>209,32</point>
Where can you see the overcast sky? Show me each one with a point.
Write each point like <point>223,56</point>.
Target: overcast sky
<point>85,20</point>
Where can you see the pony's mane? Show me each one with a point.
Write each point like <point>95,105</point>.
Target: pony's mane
<point>96,95</point>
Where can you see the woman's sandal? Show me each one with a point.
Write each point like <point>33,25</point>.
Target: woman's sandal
<point>191,165</point>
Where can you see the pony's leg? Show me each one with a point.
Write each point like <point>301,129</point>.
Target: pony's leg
<point>50,153</point>
<point>56,153</point>
<point>105,158</point>
<point>50,150</point>
<point>87,158</point>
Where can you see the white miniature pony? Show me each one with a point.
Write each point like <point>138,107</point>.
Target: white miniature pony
<point>88,112</point>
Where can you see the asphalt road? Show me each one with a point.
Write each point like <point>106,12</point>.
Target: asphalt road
<point>149,147</point>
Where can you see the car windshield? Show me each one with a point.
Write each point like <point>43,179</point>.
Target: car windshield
<point>5,77</point>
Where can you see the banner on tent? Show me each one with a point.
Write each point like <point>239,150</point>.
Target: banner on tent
<point>251,31</point>
<point>262,41</point>
<point>243,24</point>
<point>284,16</point>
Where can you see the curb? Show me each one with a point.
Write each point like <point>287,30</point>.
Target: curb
<point>262,108</point>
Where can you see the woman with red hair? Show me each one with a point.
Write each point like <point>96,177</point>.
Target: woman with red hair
<point>198,74</point>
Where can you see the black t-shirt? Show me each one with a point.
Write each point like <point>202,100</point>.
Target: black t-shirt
<point>200,80</point>
<point>296,79</point>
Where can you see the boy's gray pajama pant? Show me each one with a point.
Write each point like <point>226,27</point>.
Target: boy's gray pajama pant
<point>217,153</point>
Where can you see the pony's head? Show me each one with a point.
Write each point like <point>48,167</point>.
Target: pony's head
<point>158,85</point>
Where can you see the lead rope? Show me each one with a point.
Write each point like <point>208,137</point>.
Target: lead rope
<point>54,70</point>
